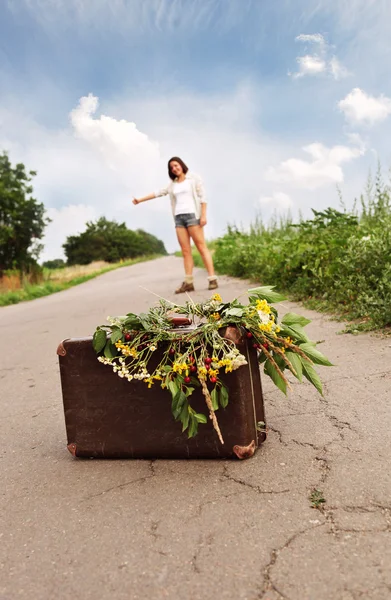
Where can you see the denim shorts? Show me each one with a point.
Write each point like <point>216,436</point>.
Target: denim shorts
<point>186,220</point>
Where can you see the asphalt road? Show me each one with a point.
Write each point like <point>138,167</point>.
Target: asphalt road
<point>194,530</point>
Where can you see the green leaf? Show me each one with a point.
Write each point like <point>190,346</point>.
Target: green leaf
<point>174,389</point>
<point>266,293</point>
<point>234,312</point>
<point>293,319</point>
<point>189,391</point>
<point>296,363</point>
<point>193,428</point>
<point>132,321</point>
<point>295,332</point>
<point>115,336</point>
<point>280,362</point>
<point>314,354</point>
<point>215,398</point>
<point>177,404</point>
<point>224,396</point>
<point>144,320</point>
<point>110,350</point>
<point>261,357</point>
<point>200,418</point>
<point>99,340</point>
<point>184,417</point>
<point>271,370</point>
<point>312,376</point>
<point>166,369</point>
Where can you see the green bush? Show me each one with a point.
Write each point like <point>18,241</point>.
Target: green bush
<point>340,258</point>
<point>110,241</point>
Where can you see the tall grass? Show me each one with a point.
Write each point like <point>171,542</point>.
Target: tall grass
<point>339,260</point>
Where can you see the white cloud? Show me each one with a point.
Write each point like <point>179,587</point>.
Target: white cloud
<point>316,38</point>
<point>123,147</point>
<point>324,167</point>
<point>319,62</point>
<point>310,65</point>
<point>67,220</point>
<point>337,70</point>
<point>278,201</point>
<point>359,107</point>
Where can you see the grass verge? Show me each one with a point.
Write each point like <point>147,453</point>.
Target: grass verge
<point>62,281</point>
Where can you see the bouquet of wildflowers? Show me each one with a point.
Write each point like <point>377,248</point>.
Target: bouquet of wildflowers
<point>197,356</point>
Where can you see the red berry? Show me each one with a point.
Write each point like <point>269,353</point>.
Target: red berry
<point>208,360</point>
<point>266,346</point>
<point>249,335</point>
<point>213,379</point>
<point>191,359</point>
<point>207,367</point>
<point>193,368</point>
<point>187,380</point>
<point>128,337</point>
<point>255,345</point>
<point>171,351</point>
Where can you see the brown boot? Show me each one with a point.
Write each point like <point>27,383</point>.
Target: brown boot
<point>185,287</point>
<point>213,284</point>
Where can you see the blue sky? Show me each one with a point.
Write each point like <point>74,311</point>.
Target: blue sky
<point>274,104</point>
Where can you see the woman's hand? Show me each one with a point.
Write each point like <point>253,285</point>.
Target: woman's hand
<point>203,220</point>
<point>135,201</point>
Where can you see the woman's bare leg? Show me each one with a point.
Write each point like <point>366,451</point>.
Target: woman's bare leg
<point>184,242</point>
<point>197,234</point>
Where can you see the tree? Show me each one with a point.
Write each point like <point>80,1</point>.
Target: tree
<point>55,263</point>
<point>110,241</point>
<point>22,218</point>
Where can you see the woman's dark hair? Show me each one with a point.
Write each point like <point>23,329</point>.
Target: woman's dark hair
<point>180,161</point>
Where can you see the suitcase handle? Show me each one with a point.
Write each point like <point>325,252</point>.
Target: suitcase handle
<point>180,321</point>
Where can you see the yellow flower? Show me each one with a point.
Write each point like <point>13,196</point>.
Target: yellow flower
<point>266,326</point>
<point>263,306</point>
<point>287,341</point>
<point>216,298</point>
<point>178,367</point>
<point>215,316</point>
<point>213,372</point>
<point>202,372</point>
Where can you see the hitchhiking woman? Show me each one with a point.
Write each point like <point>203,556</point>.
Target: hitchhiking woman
<point>189,209</point>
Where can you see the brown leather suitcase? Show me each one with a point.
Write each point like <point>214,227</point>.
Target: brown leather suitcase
<point>109,417</point>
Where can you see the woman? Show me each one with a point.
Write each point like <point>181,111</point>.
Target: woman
<point>189,209</point>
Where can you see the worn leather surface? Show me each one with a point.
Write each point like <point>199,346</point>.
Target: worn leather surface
<point>109,417</point>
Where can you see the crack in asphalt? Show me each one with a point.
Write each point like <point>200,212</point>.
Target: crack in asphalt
<point>268,584</point>
<point>255,488</point>
<point>120,486</point>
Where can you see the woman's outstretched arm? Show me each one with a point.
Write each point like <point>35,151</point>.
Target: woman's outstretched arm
<point>162,192</point>
<point>144,198</point>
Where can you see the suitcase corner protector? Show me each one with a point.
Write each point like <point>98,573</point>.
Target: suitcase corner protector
<point>61,349</point>
<point>244,451</point>
<point>72,448</point>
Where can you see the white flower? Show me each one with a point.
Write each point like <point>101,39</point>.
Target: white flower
<point>263,317</point>
<point>120,374</point>
<point>152,348</point>
<point>239,362</point>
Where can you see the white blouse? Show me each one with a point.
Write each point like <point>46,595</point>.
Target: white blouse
<point>184,197</point>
